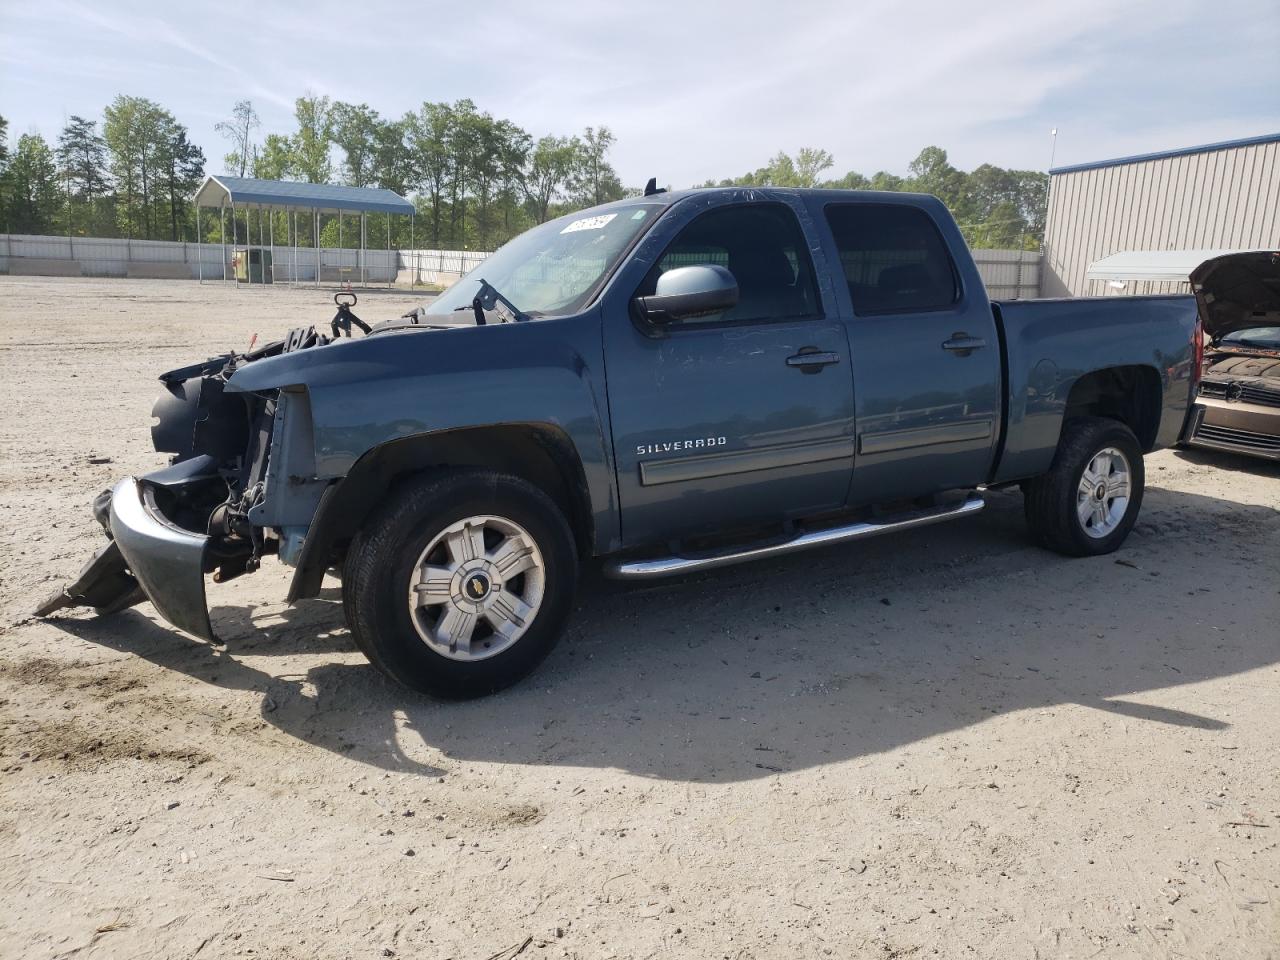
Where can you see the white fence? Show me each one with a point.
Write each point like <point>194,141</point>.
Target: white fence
<point>99,257</point>
<point>1008,274</point>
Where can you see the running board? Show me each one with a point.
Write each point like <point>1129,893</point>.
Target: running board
<point>669,566</point>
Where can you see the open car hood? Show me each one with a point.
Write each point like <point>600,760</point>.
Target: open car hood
<point>1238,291</point>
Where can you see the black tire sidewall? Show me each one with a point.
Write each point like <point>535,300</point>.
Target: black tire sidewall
<point>1083,440</point>
<point>382,564</point>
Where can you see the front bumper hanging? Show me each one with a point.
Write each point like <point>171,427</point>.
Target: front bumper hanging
<point>148,553</point>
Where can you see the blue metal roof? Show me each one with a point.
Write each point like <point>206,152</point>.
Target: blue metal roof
<point>1165,154</point>
<point>249,192</point>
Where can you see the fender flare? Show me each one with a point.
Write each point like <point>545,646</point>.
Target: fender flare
<point>347,502</point>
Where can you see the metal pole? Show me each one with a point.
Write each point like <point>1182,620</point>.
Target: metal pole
<point>1048,183</point>
<point>413,253</point>
<point>395,264</point>
<point>222,235</point>
<point>293,217</point>
<point>235,235</point>
<point>316,228</point>
<point>364,281</point>
<point>271,235</point>
<point>199,247</point>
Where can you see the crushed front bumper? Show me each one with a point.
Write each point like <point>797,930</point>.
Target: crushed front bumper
<point>147,552</point>
<point>167,561</point>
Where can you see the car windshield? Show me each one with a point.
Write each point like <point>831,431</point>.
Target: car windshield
<point>554,269</point>
<point>1268,338</point>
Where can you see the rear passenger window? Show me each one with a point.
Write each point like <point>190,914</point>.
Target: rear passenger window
<point>893,257</point>
<point>762,246</point>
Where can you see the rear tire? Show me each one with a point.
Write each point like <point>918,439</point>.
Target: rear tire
<point>1089,500</point>
<point>461,584</point>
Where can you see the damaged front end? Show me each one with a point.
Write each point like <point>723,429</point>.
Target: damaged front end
<point>167,530</point>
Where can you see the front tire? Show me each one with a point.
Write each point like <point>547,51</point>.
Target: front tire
<point>462,583</point>
<point>1089,500</point>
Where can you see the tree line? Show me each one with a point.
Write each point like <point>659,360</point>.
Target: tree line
<point>995,207</point>
<point>132,178</point>
<point>476,180</point>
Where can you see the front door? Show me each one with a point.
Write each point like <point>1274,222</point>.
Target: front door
<point>718,423</point>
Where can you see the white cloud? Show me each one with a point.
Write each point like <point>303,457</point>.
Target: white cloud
<point>692,91</point>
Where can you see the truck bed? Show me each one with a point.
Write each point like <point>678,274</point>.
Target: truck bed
<point>1047,345</point>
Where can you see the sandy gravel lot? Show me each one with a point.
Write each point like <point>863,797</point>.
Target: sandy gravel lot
<point>948,743</point>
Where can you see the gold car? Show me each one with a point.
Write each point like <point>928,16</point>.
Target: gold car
<point>1238,406</point>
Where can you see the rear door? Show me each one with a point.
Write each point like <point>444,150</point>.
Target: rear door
<point>923,347</point>
<point>718,423</point>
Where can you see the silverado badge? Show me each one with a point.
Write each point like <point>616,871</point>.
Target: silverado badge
<point>673,445</point>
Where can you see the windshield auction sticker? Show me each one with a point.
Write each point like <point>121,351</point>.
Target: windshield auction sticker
<point>589,223</point>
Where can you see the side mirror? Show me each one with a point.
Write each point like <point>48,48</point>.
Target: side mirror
<point>688,292</point>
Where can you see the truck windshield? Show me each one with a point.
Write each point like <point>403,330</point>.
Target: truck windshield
<point>554,269</point>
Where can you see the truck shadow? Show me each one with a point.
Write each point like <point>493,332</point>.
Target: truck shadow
<point>820,657</point>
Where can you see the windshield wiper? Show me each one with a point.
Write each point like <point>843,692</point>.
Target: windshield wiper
<point>488,298</point>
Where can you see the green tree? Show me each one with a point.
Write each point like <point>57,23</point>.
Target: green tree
<point>427,133</point>
<point>32,200</point>
<point>4,159</point>
<point>783,170</point>
<point>275,160</point>
<point>995,207</point>
<point>883,180</point>
<point>596,181</point>
<point>82,162</point>
<point>311,142</point>
<point>514,146</point>
<point>498,148</point>
<point>134,130</point>
<point>180,168</point>
<point>392,163</point>
<point>239,130</point>
<point>850,181</point>
<point>811,162</point>
<point>463,146</point>
<point>931,172</point>
<point>354,128</point>
<point>550,170</point>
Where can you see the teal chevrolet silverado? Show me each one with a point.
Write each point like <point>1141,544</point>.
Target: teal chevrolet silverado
<point>663,384</point>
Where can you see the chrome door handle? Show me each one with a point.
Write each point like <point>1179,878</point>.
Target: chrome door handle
<point>962,344</point>
<point>813,361</point>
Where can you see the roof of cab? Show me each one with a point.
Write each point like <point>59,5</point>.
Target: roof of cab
<point>669,197</point>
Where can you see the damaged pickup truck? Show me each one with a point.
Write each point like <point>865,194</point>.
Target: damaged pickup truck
<point>668,383</point>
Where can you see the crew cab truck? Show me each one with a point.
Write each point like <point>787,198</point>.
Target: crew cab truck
<point>666,384</point>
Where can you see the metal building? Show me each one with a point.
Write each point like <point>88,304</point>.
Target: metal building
<point>1221,196</point>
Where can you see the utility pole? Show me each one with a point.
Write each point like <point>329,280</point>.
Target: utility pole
<point>1048,180</point>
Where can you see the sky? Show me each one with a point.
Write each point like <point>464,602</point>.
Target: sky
<point>690,90</point>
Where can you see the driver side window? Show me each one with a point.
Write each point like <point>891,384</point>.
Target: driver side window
<point>763,247</point>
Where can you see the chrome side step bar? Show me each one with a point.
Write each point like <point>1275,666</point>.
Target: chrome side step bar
<point>670,566</point>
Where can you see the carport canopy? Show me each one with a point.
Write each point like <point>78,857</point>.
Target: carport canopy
<point>318,199</point>
<point>1167,265</point>
<point>251,193</point>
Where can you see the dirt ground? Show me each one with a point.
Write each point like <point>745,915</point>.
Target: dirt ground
<point>947,743</point>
